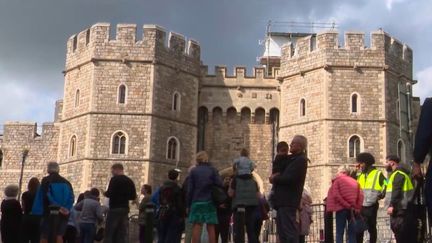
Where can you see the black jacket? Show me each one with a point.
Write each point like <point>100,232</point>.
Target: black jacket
<point>423,138</point>
<point>121,189</point>
<point>288,186</point>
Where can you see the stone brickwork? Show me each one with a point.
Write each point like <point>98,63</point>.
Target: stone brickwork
<point>326,76</point>
<point>220,113</point>
<point>20,136</point>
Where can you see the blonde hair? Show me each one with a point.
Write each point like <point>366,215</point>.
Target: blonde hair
<point>202,157</point>
<point>344,170</point>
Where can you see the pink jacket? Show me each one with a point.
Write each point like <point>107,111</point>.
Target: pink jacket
<point>344,193</point>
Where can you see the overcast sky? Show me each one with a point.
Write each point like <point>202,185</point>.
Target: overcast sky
<point>33,36</point>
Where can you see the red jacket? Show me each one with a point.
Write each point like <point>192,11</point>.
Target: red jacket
<point>344,193</point>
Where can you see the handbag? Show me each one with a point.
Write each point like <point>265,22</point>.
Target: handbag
<point>219,196</point>
<point>100,233</point>
<point>358,222</point>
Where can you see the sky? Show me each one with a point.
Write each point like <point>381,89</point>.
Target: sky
<point>33,36</point>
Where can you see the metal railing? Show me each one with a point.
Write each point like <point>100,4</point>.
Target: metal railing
<point>323,228</point>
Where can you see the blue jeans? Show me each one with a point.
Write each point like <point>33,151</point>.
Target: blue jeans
<point>342,218</point>
<point>87,232</point>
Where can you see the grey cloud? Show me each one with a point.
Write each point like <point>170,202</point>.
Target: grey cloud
<point>33,33</point>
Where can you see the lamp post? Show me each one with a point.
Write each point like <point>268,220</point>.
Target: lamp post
<point>24,157</point>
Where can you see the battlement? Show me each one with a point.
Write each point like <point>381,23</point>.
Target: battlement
<point>96,42</point>
<point>353,42</point>
<point>239,72</point>
<point>25,131</point>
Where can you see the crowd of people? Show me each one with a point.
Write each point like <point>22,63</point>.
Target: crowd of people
<point>355,194</point>
<point>206,200</point>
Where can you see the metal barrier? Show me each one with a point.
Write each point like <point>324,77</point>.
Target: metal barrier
<point>317,233</point>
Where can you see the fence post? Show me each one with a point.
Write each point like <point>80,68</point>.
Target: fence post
<point>239,225</point>
<point>148,234</point>
<point>53,221</point>
<point>328,226</point>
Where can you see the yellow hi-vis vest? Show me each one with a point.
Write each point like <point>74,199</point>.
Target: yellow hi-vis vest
<point>407,189</point>
<point>372,189</point>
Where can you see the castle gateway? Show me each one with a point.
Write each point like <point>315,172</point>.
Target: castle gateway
<point>150,103</point>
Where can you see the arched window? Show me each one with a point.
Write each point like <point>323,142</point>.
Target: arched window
<point>176,99</point>
<point>1,158</point>
<point>274,116</point>
<point>259,116</point>
<point>401,150</point>
<point>354,146</point>
<point>302,107</point>
<point>122,92</point>
<point>77,98</point>
<point>72,146</point>
<point>245,115</point>
<point>355,103</point>
<point>202,122</point>
<point>173,151</point>
<point>119,142</point>
<point>217,115</point>
<point>231,115</point>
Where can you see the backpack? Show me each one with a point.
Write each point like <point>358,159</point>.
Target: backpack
<point>167,200</point>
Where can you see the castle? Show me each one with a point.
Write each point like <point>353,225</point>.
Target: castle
<point>150,103</point>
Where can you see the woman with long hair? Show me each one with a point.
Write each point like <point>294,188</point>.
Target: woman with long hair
<point>30,223</point>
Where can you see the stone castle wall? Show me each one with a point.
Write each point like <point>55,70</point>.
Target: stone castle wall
<point>326,76</point>
<point>220,113</point>
<point>20,136</point>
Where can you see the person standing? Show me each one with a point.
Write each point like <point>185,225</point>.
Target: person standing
<point>91,213</point>
<point>244,193</point>
<point>53,202</point>
<point>121,190</point>
<point>344,197</point>
<point>30,223</point>
<point>400,190</point>
<point>202,210</point>
<point>305,212</point>
<point>224,213</point>
<point>372,182</point>
<point>288,189</point>
<point>423,147</point>
<point>172,210</point>
<point>11,215</point>
<point>243,166</point>
<point>146,191</point>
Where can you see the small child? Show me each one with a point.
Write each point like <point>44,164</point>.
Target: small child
<point>92,213</point>
<point>11,216</point>
<point>279,164</point>
<point>243,166</point>
<point>146,191</point>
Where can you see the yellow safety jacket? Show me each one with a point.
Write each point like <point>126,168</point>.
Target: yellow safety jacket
<point>372,189</point>
<point>407,189</point>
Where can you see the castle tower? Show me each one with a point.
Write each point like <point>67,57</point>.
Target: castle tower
<point>122,103</point>
<point>346,99</point>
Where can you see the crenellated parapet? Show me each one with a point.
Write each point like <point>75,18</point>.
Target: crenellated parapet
<point>325,51</point>
<point>27,132</point>
<point>156,45</point>
<point>239,77</point>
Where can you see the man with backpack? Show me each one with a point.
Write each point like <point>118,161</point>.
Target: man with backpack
<point>172,210</point>
<point>54,200</point>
